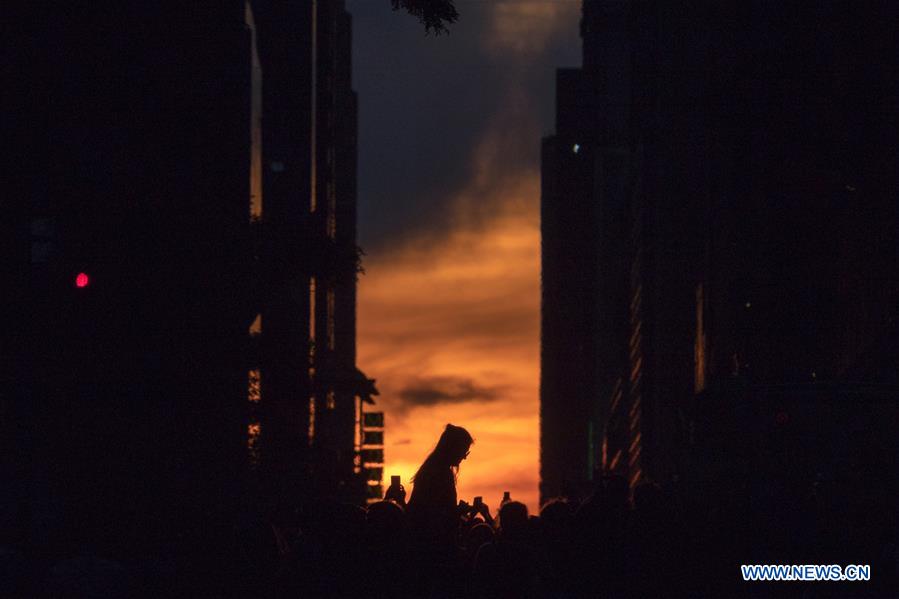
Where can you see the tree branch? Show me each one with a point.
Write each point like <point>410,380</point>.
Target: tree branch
<point>434,14</point>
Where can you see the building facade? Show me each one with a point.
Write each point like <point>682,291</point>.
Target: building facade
<point>700,213</point>
<point>310,413</point>
<point>193,263</point>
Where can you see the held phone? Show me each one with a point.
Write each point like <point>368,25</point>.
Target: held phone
<point>478,500</point>
<point>395,480</point>
<point>507,496</point>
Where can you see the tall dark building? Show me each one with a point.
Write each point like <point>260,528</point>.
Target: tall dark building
<point>191,340</point>
<point>716,208</point>
<point>586,308</point>
<point>308,407</point>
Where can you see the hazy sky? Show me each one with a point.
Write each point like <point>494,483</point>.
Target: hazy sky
<point>449,145</point>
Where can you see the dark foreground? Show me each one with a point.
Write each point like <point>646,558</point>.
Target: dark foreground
<point>656,542</point>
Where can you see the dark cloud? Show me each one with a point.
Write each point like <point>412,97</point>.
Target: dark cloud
<point>446,390</point>
<point>426,102</point>
<point>423,103</point>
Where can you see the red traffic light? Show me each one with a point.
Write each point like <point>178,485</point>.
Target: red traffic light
<point>82,280</point>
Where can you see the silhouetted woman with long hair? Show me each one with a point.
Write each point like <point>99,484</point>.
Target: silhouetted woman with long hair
<point>432,507</point>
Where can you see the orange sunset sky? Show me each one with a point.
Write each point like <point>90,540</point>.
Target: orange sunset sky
<point>449,322</point>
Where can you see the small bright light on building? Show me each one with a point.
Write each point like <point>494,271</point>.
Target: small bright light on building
<point>814,375</point>
<point>82,280</point>
<point>576,148</point>
<point>748,304</point>
<point>850,188</point>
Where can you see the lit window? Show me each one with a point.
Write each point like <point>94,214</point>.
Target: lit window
<point>254,386</point>
<point>311,431</point>
<point>748,304</point>
<point>256,326</point>
<point>254,432</point>
<point>330,401</point>
<point>576,148</point>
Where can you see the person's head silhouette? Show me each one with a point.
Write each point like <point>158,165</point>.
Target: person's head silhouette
<point>513,520</point>
<point>452,447</point>
<point>454,443</point>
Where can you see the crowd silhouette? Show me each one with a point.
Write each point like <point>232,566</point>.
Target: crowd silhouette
<point>673,540</point>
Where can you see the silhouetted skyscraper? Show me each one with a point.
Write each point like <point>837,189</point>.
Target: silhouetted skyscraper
<point>700,212</point>
<point>197,167</point>
<point>585,268</point>
<point>310,390</point>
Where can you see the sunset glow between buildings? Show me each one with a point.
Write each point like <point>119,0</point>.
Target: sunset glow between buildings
<point>449,311</point>
<point>452,331</point>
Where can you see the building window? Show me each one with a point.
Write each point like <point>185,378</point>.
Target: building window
<point>42,234</point>
<point>330,401</point>
<point>311,431</point>
<point>357,437</point>
<point>254,386</point>
<point>312,320</point>
<point>332,210</point>
<point>332,303</point>
<point>699,348</point>
<point>254,433</point>
<point>256,326</point>
<point>255,121</point>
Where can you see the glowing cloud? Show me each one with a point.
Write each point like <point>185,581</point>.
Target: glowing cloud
<point>524,27</point>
